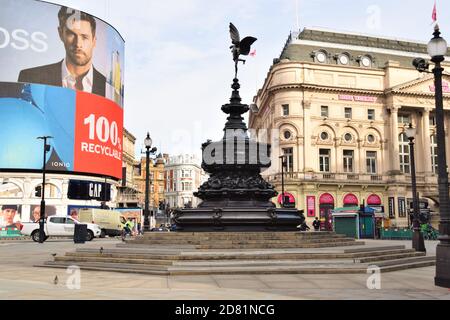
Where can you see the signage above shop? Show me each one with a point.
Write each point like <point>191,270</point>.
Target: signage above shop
<point>357,98</point>
<point>89,190</point>
<point>445,87</point>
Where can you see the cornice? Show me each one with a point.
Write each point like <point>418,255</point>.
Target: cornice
<point>304,86</point>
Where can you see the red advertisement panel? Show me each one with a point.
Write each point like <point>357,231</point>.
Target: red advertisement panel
<point>98,135</point>
<point>311,206</point>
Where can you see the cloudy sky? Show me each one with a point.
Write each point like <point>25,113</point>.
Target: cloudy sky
<point>178,67</point>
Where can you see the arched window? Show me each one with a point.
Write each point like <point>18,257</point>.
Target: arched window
<point>434,156</point>
<point>350,200</point>
<point>10,190</point>
<point>404,153</point>
<point>51,191</point>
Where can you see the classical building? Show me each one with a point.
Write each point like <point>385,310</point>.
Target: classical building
<point>337,105</point>
<point>128,191</point>
<point>157,181</point>
<point>183,177</point>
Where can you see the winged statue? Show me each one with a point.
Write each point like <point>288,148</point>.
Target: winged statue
<point>239,47</point>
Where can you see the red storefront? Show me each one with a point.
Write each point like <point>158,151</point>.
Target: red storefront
<point>350,200</point>
<point>374,202</point>
<point>326,204</point>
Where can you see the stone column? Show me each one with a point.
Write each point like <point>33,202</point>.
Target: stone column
<point>426,137</point>
<point>307,157</point>
<point>394,145</point>
<point>361,166</point>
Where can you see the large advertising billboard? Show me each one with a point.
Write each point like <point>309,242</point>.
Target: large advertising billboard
<point>62,76</point>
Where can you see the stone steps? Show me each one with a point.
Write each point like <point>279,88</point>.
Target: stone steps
<point>263,245</point>
<point>239,242</point>
<point>392,257</point>
<point>253,255</point>
<point>242,253</point>
<point>317,267</point>
<point>165,236</point>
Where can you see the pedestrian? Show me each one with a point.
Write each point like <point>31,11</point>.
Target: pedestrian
<point>303,226</point>
<point>316,224</point>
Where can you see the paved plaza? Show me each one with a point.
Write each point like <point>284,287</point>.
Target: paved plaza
<point>19,279</point>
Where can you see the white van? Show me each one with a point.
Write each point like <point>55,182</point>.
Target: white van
<point>108,220</point>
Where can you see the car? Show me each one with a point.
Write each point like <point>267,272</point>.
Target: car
<point>58,226</point>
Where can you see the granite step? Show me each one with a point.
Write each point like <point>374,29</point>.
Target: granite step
<point>279,245</point>
<point>238,241</point>
<point>402,261</point>
<point>261,255</point>
<point>392,257</point>
<point>311,268</point>
<point>168,236</point>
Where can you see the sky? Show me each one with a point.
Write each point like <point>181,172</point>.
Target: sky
<point>179,68</point>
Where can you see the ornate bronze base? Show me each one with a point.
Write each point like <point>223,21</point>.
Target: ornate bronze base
<point>238,219</point>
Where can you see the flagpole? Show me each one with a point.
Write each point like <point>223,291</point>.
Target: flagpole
<point>296,13</point>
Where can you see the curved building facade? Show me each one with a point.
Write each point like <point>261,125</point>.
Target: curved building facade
<point>337,105</point>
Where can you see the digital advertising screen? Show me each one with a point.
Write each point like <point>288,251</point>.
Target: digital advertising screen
<point>62,76</point>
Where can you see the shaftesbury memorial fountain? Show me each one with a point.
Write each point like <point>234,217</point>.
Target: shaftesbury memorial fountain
<point>236,197</point>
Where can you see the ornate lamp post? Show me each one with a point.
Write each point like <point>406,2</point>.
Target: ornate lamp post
<point>437,49</point>
<point>42,217</point>
<point>148,144</point>
<point>283,166</point>
<point>418,242</point>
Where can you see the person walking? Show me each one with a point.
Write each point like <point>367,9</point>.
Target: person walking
<point>127,229</point>
<point>316,224</point>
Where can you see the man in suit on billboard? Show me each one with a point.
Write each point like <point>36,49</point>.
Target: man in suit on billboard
<point>76,71</point>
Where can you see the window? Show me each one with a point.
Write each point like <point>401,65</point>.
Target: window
<point>161,189</point>
<point>10,190</point>
<point>404,118</point>
<point>324,136</point>
<point>348,137</point>
<point>161,176</point>
<point>185,173</point>
<point>70,221</point>
<point>348,113</point>
<point>287,134</point>
<point>348,160</point>
<point>434,155</point>
<point>51,191</point>
<point>289,153</point>
<point>324,160</point>
<point>58,220</point>
<point>371,162</point>
<point>371,114</point>
<point>285,109</point>
<point>404,153</point>
<point>432,120</point>
<point>324,111</point>
<point>186,186</point>
<point>371,138</point>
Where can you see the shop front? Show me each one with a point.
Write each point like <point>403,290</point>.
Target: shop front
<point>326,205</point>
<point>374,202</point>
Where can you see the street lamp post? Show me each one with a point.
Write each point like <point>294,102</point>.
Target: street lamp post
<point>148,145</point>
<point>42,217</point>
<point>283,163</point>
<point>437,49</point>
<point>418,242</point>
